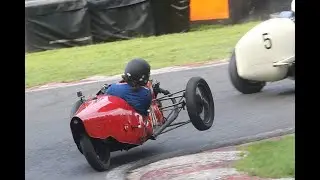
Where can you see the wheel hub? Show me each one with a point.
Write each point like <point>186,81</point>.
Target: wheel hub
<point>199,102</point>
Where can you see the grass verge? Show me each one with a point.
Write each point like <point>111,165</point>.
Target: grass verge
<point>70,64</point>
<point>270,158</point>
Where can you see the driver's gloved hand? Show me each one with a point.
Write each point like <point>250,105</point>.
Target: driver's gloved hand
<point>165,92</point>
<point>157,89</point>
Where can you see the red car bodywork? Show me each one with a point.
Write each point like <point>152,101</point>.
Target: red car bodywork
<point>109,116</point>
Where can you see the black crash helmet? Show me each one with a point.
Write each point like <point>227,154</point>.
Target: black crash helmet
<point>137,72</point>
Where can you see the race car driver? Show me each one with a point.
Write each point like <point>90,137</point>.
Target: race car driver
<point>133,86</point>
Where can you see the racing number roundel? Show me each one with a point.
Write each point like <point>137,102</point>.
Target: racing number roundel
<point>267,40</point>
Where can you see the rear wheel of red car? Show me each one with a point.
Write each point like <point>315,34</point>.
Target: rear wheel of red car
<point>75,108</point>
<point>242,85</point>
<point>199,103</point>
<point>98,156</point>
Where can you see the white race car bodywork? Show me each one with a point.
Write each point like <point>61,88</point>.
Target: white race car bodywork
<point>266,52</point>
<point>293,6</point>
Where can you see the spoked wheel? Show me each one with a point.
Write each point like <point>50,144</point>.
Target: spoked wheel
<point>199,103</point>
<point>98,156</point>
<point>242,85</point>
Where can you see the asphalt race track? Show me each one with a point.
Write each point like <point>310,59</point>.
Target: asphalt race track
<point>52,155</point>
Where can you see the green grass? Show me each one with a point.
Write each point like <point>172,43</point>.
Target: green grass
<point>269,159</point>
<point>70,64</point>
<point>203,27</point>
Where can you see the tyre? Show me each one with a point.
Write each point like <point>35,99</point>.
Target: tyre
<point>199,100</point>
<point>75,108</point>
<point>242,85</point>
<point>97,156</point>
<point>292,72</point>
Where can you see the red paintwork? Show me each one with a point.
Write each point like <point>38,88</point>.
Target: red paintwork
<point>110,116</point>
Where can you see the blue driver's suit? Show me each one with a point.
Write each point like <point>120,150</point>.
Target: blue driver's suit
<point>140,99</point>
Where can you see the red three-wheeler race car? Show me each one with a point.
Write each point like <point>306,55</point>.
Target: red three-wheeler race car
<point>103,124</point>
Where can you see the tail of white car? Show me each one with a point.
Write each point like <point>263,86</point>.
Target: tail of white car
<point>262,53</point>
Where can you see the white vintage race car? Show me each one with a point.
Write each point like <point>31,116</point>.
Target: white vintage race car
<point>266,53</point>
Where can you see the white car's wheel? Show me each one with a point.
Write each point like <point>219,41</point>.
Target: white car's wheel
<point>242,85</point>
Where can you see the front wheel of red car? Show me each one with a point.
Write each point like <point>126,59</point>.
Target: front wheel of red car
<point>98,156</point>
<point>199,103</point>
